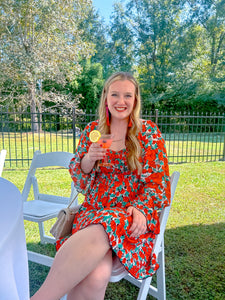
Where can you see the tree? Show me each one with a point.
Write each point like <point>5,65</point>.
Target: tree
<point>211,16</point>
<point>95,31</point>
<point>89,85</point>
<point>121,41</point>
<point>41,40</point>
<point>156,25</point>
<point>205,23</point>
<point>181,51</point>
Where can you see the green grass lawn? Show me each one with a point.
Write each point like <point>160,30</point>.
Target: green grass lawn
<point>194,239</point>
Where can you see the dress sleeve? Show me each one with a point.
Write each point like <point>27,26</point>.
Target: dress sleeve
<point>154,193</point>
<point>82,181</point>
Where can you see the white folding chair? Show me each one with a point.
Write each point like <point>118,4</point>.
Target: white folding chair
<point>44,206</point>
<point>2,160</point>
<point>145,286</point>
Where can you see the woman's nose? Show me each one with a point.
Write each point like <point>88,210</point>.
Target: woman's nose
<point>121,100</point>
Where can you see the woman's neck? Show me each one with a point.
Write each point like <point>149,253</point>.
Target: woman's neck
<point>118,128</point>
<point>119,131</point>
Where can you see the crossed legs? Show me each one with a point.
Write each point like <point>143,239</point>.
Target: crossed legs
<point>93,287</point>
<point>81,267</point>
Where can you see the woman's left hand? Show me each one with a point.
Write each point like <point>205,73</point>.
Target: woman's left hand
<point>139,225</point>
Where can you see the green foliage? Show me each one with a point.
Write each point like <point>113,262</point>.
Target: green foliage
<point>176,49</point>
<point>89,85</point>
<point>121,41</point>
<point>94,31</point>
<point>187,97</point>
<point>181,53</point>
<point>40,40</point>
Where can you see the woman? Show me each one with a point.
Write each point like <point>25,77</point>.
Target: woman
<point>118,219</point>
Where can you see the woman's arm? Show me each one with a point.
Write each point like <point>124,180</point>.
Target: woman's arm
<point>154,192</point>
<point>82,167</point>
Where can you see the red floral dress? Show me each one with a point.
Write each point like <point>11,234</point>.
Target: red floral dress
<point>109,191</point>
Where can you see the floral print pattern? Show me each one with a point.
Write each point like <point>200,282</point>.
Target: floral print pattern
<point>110,190</point>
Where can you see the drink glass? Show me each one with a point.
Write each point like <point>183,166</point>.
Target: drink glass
<point>106,141</point>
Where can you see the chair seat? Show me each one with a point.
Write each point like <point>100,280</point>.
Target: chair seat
<point>41,209</point>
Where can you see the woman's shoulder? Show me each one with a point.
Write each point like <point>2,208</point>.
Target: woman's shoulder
<point>87,129</point>
<point>91,126</point>
<point>149,134</point>
<point>148,127</point>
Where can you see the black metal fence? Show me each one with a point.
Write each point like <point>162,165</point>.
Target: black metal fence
<point>190,137</point>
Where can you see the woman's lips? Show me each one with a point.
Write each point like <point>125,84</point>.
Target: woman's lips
<point>120,109</point>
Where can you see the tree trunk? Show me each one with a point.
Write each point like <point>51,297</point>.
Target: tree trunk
<point>33,109</point>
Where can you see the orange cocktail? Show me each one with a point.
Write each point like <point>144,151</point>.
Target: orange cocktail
<point>105,141</point>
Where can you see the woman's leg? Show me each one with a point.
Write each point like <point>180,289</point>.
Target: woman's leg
<point>93,287</point>
<point>77,257</point>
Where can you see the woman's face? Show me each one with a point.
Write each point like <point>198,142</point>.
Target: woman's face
<point>121,99</point>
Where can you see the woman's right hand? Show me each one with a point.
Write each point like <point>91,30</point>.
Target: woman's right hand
<point>95,152</point>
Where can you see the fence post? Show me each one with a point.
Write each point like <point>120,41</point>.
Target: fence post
<point>222,130</point>
<point>74,129</point>
<point>156,116</point>
<point>223,149</point>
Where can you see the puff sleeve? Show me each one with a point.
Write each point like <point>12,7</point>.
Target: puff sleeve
<point>154,192</point>
<point>82,181</point>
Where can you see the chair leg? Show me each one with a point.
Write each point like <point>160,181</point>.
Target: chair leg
<point>42,232</point>
<point>161,283</point>
<point>143,291</point>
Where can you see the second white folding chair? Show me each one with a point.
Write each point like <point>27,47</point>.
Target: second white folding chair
<point>2,160</point>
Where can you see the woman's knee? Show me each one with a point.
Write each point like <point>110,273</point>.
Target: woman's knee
<point>99,277</point>
<point>94,285</point>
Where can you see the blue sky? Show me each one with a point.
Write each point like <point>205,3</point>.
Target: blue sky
<point>104,7</point>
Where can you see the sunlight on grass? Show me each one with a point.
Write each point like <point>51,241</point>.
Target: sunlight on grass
<point>200,195</point>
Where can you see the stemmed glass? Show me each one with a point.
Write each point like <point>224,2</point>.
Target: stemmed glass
<point>106,141</point>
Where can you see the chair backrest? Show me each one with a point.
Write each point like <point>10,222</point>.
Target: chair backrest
<point>165,213</point>
<point>2,160</point>
<point>50,159</point>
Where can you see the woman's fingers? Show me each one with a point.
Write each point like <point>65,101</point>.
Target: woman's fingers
<point>137,229</point>
<point>96,152</point>
<point>139,224</point>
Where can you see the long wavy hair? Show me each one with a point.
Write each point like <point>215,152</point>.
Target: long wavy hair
<point>132,143</point>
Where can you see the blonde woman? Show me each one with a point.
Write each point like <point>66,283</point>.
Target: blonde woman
<point>118,219</point>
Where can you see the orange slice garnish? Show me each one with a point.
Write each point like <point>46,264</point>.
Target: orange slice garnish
<point>94,136</point>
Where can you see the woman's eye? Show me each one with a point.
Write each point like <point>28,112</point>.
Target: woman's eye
<point>114,95</point>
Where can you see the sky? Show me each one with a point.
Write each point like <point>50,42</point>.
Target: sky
<point>104,7</point>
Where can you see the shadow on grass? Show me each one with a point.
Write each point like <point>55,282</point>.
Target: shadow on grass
<point>195,265</point>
